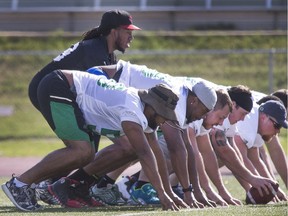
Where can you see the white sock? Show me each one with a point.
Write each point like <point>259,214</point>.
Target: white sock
<point>19,183</point>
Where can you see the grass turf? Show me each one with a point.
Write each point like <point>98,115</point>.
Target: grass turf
<point>279,209</point>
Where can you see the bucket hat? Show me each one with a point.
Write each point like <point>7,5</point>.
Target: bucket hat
<point>162,99</point>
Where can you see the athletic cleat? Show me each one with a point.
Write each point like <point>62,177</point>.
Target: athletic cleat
<point>177,189</point>
<point>132,202</point>
<point>146,195</point>
<point>60,190</point>
<point>124,186</point>
<point>23,198</point>
<point>43,194</point>
<point>81,193</point>
<point>73,194</point>
<point>109,195</point>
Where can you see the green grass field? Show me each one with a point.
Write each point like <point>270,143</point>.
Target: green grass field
<point>279,209</point>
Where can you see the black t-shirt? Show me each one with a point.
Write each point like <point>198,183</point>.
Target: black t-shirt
<point>81,56</point>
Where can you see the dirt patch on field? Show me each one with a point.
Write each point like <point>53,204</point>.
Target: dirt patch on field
<point>16,165</point>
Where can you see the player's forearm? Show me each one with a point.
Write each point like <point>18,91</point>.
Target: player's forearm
<point>149,166</point>
<point>162,167</point>
<point>145,155</point>
<point>193,173</point>
<point>238,168</point>
<point>178,154</point>
<point>179,161</point>
<point>262,169</point>
<point>203,178</point>
<point>278,158</point>
<point>212,169</point>
<point>228,155</point>
<point>265,159</point>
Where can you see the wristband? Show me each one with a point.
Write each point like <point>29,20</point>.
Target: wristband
<point>189,189</point>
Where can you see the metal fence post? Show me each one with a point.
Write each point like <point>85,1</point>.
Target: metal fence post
<point>271,70</point>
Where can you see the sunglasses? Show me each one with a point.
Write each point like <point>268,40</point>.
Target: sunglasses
<point>275,124</point>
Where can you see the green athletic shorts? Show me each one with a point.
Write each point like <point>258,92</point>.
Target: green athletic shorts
<point>59,108</point>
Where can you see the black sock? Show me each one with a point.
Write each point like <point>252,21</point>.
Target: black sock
<point>56,178</point>
<point>139,184</point>
<point>104,181</point>
<point>81,176</point>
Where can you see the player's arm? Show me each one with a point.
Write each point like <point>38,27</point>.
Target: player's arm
<point>278,157</point>
<point>163,170</point>
<point>179,157</point>
<point>244,153</point>
<point>212,169</point>
<point>255,180</point>
<point>203,178</point>
<point>257,162</point>
<point>227,154</point>
<point>110,70</point>
<point>136,137</point>
<point>193,173</point>
<point>232,161</point>
<point>264,157</point>
<point>254,156</point>
<point>232,143</point>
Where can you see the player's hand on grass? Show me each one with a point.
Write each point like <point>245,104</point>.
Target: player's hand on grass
<point>229,199</point>
<point>167,203</point>
<point>202,200</point>
<point>176,199</point>
<point>208,203</point>
<point>179,202</point>
<point>281,195</point>
<point>217,199</point>
<point>233,201</point>
<point>191,201</point>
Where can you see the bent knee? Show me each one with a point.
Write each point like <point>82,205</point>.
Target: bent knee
<point>124,145</point>
<point>84,153</point>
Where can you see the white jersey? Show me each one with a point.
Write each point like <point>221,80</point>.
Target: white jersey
<point>198,128</point>
<point>247,129</point>
<point>230,130</point>
<point>256,96</point>
<point>141,77</point>
<point>105,104</point>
